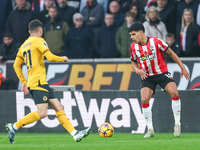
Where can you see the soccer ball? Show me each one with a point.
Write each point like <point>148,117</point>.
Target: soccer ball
<point>106,130</point>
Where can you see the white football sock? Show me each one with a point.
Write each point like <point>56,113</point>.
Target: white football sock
<point>73,132</point>
<point>176,108</point>
<point>15,127</point>
<point>148,117</point>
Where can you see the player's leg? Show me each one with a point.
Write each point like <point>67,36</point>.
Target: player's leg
<point>171,88</point>
<point>65,122</point>
<point>146,94</point>
<point>29,118</point>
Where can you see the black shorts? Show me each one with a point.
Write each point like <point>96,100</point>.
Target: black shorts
<point>40,96</point>
<point>161,79</point>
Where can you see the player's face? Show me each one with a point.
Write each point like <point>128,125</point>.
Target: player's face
<point>187,16</point>
<point>136,36</point>
<point>7,40</point>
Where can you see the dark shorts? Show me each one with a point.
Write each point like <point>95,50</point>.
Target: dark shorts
<point>161,79</point>
<point>40,96</point>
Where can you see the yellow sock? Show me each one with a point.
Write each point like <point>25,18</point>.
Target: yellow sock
<point>31,117</point>
<point>64,121</point>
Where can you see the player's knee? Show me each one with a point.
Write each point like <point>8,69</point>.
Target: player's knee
<point>174,94</point>
<point>145,100</point>
<point>42,114</point>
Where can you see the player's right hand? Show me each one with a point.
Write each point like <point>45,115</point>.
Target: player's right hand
<point>142,73</point>
<point>25,89</point>
<point>66,58</point>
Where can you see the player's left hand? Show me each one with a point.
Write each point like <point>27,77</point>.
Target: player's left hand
<point>25,89</point>
<point>185,73</point>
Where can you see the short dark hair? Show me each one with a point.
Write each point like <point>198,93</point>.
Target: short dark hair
<point>7,34</point>
<point>170,35</point>
<point>136,27</point>
<point>54,7</point>
<point>34,25</point>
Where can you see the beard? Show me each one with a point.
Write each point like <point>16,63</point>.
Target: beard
<point>62,5</point>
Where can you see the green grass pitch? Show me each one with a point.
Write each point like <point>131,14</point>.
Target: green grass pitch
<point>119,141</point>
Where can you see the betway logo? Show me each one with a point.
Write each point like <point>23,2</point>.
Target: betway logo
<point>98,113</point>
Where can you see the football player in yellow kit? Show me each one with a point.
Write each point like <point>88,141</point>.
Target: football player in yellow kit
<point>33,51</point>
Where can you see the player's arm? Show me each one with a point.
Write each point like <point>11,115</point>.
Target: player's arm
<point>139,71</point>
<point>18,70</point>
<point>51,57</point>
<point>173,55</point>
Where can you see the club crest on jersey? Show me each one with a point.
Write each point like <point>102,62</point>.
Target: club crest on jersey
<point>45,44</point>
<point>151,48</point>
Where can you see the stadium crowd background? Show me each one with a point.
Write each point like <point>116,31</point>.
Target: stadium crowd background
<point>99,28</point>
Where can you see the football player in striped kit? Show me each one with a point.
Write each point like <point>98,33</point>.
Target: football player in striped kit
<point>148,52</point>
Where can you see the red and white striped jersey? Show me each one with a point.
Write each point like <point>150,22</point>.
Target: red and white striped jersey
<point>150,55</point>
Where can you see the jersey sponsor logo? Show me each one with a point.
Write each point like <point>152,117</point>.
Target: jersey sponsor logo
<point>45,44</point>
<point>148,57</point>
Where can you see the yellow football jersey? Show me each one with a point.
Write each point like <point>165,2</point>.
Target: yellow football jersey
<point>32,51</point>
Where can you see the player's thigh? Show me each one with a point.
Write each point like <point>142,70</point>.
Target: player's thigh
<point>171,88</point>
<point>146,94</point>
<point>55,104</point>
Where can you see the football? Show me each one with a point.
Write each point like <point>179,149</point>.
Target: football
<point>106,130</point>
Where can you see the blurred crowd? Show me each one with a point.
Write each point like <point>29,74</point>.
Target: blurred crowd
<point>99,28</point>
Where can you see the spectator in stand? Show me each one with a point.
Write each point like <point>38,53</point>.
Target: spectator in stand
<point>124,5</point>
<point>5,9</point>
<point>186,4</point>
<point>154,27</point>
<point>55,31</point>
<point>93,15</point>
<point>149,4</point>
<point>104,3</point>
<point>7,84</point>
<point>134,7</point>
<point>105,39</point>
<point>75,4</point>
<point>43,15</point>
<point>119,17</point>
<point>198,15</point>
<point>65,12</point>
<point>39,5</point>
<point>122,39</point>
<point>79,39</point>
<point>9,48</point>
<point>170,40</point>
<point>18,19</point>
<point>188,34</point>
<point>167,15</point>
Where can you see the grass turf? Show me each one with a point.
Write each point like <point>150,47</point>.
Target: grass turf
<point>119,141</point>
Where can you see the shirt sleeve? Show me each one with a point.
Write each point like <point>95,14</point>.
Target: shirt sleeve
<point>162,45</point>
<point>43,47</point>
<point>17,67</point>
<point>133,56</point>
